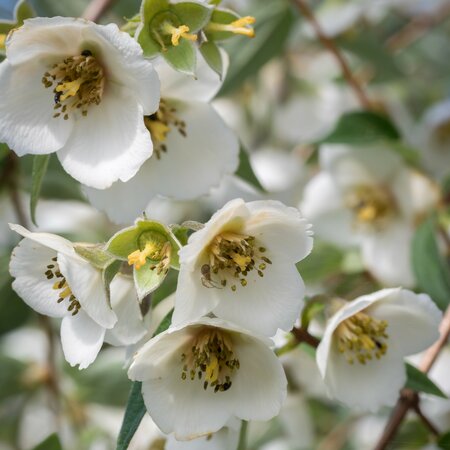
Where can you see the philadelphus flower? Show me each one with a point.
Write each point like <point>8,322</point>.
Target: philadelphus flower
<point>368,197</point>
<point>189,139</point>
<point>360,357</point>
<point>81,90</point>
<point>196,377</point>
<point>241,267</point>
<point>55,281</point>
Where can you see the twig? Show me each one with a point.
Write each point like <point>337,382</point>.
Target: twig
<point>408,398</point>
<point>331,46</point>
<point>303,336</point>
<point>425,419</point>
<point>416,28</point>
<point>96,9</point>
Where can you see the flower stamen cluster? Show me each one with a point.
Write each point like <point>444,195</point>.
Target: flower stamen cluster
<point>211,358</point>
<point>239,26</point>
<point>362,337</point>
<point>177,33</point>
<point>79,81</point>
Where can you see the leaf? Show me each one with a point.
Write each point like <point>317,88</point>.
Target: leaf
<point>194,15</point>
<point>444,441</point>
<point>51,443</point>
<point>95,254</point>
<point>430,268</point>
<point>40,164</point>
<point>182,57</point>
<point>361,127</point>
<point>274,22</point>
<point>245,170</point>
<point>211,53</point>
<point>419,382</point>
<point>312,307</point>
<point>135,409</point>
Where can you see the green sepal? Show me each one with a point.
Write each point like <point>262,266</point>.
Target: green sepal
<point>181,233</point>
<point>211,53</point>
<point>147,280</point>
<point>194,15</point>
<point>222,16</point>
<point>108,274</point>
<point>313,306</point>
<point>96,254</point>
<point>183,57</point>
<point>149,9</point>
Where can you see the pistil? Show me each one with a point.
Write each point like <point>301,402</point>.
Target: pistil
<point>239,26</point>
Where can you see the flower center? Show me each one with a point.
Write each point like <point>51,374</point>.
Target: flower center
<point>160,123</point>
<point>78,83</point>
<point>239,26</point>
<point>61,285</point>
<point>210,357</point>
<point>370,205</point>
<point>362,337</point>
<point>232,255</point>
<point>155,247</point>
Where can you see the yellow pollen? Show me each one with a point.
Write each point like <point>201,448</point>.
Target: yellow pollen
<point>361,337</point>
<point>69,89</point>
<point>158,130</point>
<point>177,33</point>
<point>239,26</point>
<point>139,257</point>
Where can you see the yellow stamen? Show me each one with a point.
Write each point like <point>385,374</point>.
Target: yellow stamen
<point>69,89</point>
<point>139,257</point>
<point>158,129</point>
<point>239,26</point>
<point>178,33</point>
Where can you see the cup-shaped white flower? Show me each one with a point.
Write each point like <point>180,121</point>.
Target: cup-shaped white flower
<point>81,90</point>
<point>55,281</point>
<point>361,355</point>
<point>196,377</point>
<point>189,139</point>
<point>367,197</point>
<point>241,267</point>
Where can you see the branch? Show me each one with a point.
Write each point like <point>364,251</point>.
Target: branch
<point>303,336</point>
<point>328,43</point>
<point>408,398</point>
<point>96,9</point>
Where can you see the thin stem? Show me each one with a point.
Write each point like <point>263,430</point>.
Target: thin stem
<point>425,419</point>
<point>328,43</point>
<point>242,445</point>
<point>408,399</point>
<point>302,335</point>
<point>96,9</point>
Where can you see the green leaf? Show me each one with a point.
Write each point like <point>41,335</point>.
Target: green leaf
<point>245,170</point>
<point>40,164</point>
<point>430,268</point>
<point>419,382</point>
<point>135,408</point>
<point>312,307</point>
<point>51,443</point>
<point>194,15</point>
<point>444,441</point>
<point>274,22</point>
<point>361,127</point>
<point>96,254</point>
<point>182,57</point>
<point>211,53</point>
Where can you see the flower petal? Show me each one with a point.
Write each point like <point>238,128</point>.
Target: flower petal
<point>28,265</point>
<point>111,143</point>
<point>27,124</point>
<point>86,283</point>
<point>81,339</point>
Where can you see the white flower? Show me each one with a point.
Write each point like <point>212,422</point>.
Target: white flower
<point>194,148</point>
<point>55,281</point>
<point>369,198</point>
<point>198,376</point>
<point>361,354</point>
<point>59,70</point>
<point>241,267</point>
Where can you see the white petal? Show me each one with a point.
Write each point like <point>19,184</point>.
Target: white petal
<point>413,321</point>
<point>281,228</point>
<point>130,325</point>
<point>86,283</point>
<point>53,241</point>
<point>323,204</point>
<point>202,88</point>
<point>387,254</point>
<point>81,339</point>
<point>111,143</point>
<point>27,124</point>
<point>224,439</point>
<point>28,265</point>
<point>210,148</point>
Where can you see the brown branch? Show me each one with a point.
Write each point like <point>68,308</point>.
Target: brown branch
<point>96,9</point>
<point>328,43</point>
<point>408,398</point>
<point>416,28</point>
<point>303,336</point>
<point>425,419</point>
